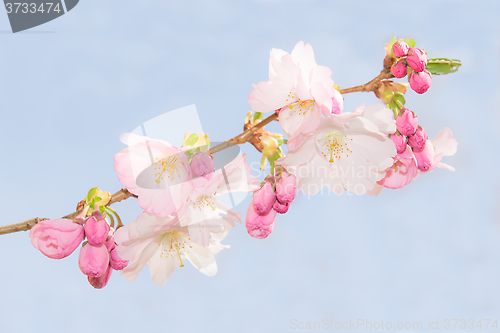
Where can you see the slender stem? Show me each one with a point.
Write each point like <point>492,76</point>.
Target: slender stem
<point>246,136</point>
<point>122,194</point>
<point>384,74</point>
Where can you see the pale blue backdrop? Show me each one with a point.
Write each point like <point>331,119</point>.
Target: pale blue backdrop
<point>430,251</point>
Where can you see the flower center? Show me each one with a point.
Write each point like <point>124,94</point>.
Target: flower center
<point>301,107</point>
<point>168,167</point>
<point>333,145</point>
<point>174,244</point>
<point>203,202</point>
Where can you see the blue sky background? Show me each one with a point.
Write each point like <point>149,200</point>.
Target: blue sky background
<point>69,88</point>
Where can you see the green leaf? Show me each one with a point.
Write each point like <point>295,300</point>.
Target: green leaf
<point>257,116</point>
<point>97,199</point>
<point>193,138</point>
<point>410,42</point>
<point>399,97</point>
<point>101,209</point>
<point>91,194</point>
<point>442,66</point>
<point>392,41</point>
<point>282,141</point>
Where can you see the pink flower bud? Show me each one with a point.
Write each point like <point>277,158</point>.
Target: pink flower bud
<point>398,69</point>
<point>259,226</point>
<point>416,59</point>
<point>286,188</point>
<point>420,82</point>
<point>96,230</point>
<point>281,207</point>
<point>418,139</point>
<point>116,262</point>
<point>110,243</point>
<point>101,281</point>
<point>202,165</point>
<point>406,122</point>
<point>58,238</point>
<point>400,49</point>
<point>425,157</point>
<point>263,199</point>
<point>93,260</point>
<point>399,141</point>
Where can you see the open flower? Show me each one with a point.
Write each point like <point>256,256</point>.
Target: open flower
<point>350,151</point>
<point>300,89</point>
<point>205,212</point>
<point>402,172</point>
<point>164,245</point>
<point>156,172</point>
<point>444,145</point>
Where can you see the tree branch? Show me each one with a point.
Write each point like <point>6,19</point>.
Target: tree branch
<point>370,86</point>
<point>245,136</point>
<point>122,194</point>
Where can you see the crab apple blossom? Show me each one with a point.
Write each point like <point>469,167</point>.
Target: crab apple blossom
<point>57,238</point>
<point>202,165</point>
<point>399,141</point>
<point>424,156</point>
<point>93,260</point>
<point>155,171</point>
<point>400,49</point>
<point>163,244</point>
<point>286,188</point>
<point>204,210</point>
<point>96,229</point>
<point>263,199</point>
<point>398,69</point>
<point>281,207</point>
<point>406,122</point>
<point>417,140</point>
<point>350,151</point>
<point>442,145</point>
<point>259,226</point>
<point>115,261</point>
<point>420,82</point>
<point>299,88</point>
<point>416,59</point>
<point>99,282</point>
<point>402,172</point>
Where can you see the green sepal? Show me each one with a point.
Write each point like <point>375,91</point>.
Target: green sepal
<point>91,194</point>
<point>257,116</point>
<point>193,138</point>
<point>392,41</point>
<point>442,66</point>
<point>399,97</point>
<point>410,42</point>
<point>282,141</point>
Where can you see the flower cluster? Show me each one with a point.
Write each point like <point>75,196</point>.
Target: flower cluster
<point>59,238</point>
<point>411,61</point>
<point>275,196</point>
<point>183,196</point>
<point>180,192</point>
<point>415,152</point>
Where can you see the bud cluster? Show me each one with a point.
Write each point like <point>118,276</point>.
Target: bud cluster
<point>411,61</point>
<point>409,133</point>
<point>274,197</point>
<point>98,255</point>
